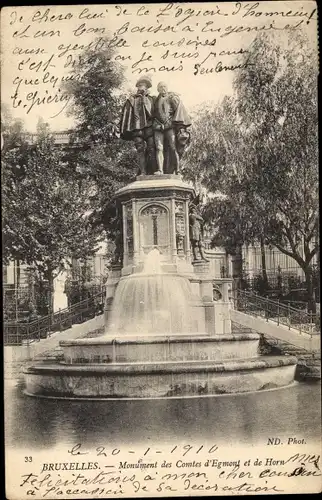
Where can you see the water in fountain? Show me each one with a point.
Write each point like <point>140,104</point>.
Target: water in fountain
<point>152,302</point>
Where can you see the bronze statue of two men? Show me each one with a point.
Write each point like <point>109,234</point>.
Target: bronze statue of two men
<point>158,126</point>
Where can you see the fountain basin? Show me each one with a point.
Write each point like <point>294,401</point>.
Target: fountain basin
<point>159,348</point>
<point>159,380</point>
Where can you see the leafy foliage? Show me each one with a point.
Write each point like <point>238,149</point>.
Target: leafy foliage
<point>105,162</point>
<point>46,213</point>
<point>94,83</point>
<point>57,203</point>
<point>280,114</point>
<point>260,149</point>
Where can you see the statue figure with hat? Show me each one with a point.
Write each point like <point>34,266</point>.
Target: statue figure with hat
<point>136,124</point>
<point>195,229</point>
<point>170,124</point>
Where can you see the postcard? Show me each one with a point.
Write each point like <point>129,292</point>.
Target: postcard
<point>161,249</point>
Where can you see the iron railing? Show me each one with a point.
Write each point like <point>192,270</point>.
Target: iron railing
<point>17,333</point>
<point>303,321</point>
<point>282,282</point>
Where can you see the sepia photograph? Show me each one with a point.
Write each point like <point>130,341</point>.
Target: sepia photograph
<point>161,251</point>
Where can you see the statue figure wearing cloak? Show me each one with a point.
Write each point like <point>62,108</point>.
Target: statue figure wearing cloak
<point>136,124</point>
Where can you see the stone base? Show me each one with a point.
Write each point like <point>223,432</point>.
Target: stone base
<point>172,348</point>
<point>201,266</point>
<point>152,177</point>
<point>159,366</point>
<point>180,266</point>
<point>159,380</point>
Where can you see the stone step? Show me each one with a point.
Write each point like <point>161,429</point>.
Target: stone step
<point>307,372</point>
<point>169,366</point>
<point>309,363</point>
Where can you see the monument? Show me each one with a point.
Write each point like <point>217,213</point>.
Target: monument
<point>136,124</point>
<point>158,126</point>
<point>170,125</point>
<point>167,334</point>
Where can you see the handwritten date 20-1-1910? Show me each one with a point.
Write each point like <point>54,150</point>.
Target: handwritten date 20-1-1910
<point>183,450</point>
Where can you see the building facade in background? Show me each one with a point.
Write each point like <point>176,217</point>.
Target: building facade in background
<point>83,278</point>
<point>86,277</point>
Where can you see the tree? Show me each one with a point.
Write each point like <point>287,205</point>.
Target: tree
<point>105,161</point>
<point>46,213</point>
<point>14,159</point>
<point>217,142</point>
<point>277,105</point>
<point>259,148</point>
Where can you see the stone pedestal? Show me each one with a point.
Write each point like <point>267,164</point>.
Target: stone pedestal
<point>222,304</point>
<point>201,267</point>
<point>215,297</point>
<point>111,284</point>
<point>113,280</point>
<point>155,214</point>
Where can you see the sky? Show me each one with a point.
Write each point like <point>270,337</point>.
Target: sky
<point>193,47</point>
